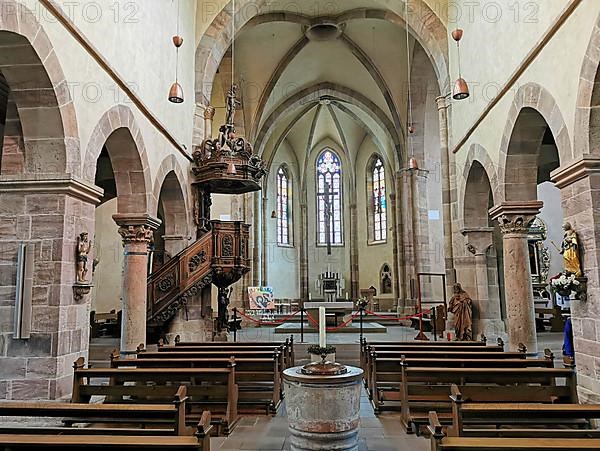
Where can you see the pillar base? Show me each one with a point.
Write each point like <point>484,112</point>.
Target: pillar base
<point>492,329</point>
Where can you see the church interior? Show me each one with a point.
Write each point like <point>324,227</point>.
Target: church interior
<point>299,225</point>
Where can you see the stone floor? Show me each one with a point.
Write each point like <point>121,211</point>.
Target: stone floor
<point>377,433</point>
<point>381,433</point>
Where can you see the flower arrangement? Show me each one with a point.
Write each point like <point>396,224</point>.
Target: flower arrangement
<point>565,283</point>
<point>362,303</point>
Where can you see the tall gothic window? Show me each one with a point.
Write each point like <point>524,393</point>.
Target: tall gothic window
<point>378,201</point>
<point>329,175</point>
<point>283,207</point>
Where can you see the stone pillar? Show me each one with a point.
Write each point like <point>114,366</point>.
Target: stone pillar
<point>514,219</point>
<point>303,252</point>
<point>354,282</point>
<point>136,231</point>
<point>487,315</point>
<point>579,185</point>
<point>46,212</point>
<point>256,248</point>
<point>396,284</point>
<point>446,192</point>
<point>264,244</point>
<point>209,115</point>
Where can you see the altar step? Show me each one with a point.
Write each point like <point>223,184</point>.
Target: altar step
<point>354,328</point>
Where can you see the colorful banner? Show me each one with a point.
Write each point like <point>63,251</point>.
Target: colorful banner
<point>261,298</point>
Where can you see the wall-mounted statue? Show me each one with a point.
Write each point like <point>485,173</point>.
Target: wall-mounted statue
<point>570,251</point>
<point>83,249</point>
<point>461,306</point>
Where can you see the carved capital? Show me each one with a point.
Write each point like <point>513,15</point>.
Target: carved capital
<point>209,113</point>
<point>136,228</point>
<point>516,217</point>
<point>136,234</point>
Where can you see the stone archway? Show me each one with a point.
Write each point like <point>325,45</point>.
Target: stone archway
<point>118,133</point>
<point>172,208</point>
<point>579,185</point>
<point>45,136</point>
<point>535,123</point>
<point>44,207</point>
<point>478,268</point>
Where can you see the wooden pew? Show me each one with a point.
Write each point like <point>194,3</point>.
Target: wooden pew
<point>443,346</point>
<point>425,388</point>
<point>215,354</point>
<point>439,351</point>
<point>531,419</point>
<point>259,380</point>
<point>213,389</point>
<point>385,373</point>
<point>33,442</point>
<point>156,420</point>
<point>287,346</point>
<point>440,442</point>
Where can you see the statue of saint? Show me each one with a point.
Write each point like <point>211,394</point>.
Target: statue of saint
<point>223,302</point>
<point>232,104</point>
<point>461,306</point>
<point>570,251</point>
<point>83,249</point>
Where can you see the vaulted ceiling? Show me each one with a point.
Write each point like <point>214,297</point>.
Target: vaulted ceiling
<point>342,77</point>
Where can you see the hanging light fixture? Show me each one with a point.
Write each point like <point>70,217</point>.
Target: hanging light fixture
<point>412,162</point>
<point>461,88</point>
<point>176,91</point>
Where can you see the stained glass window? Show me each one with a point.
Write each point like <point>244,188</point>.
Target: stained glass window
<point>379,201</point>
<point>283,207</point>
<point>329,180</point>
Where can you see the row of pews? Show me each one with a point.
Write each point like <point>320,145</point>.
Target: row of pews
<point>475,396</point>
<point>175,398</point>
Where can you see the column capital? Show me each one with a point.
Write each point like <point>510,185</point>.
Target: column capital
<point>209,112</point>
<point>442,102</point>
<point>478,239</point>
<point>136,228</point>
<point>516,216</point>
<point>576,170</point>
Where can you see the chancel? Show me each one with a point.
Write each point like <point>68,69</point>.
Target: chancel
<point>308,225</point>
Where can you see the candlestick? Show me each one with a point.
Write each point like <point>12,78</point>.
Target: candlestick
<point>346,295</point>
<point>310,296</point>
<point>322,341</point>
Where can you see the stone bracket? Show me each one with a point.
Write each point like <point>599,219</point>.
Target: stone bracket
<point>81,290</point>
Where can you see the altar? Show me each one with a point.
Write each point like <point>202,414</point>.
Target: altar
<point>336,313</point>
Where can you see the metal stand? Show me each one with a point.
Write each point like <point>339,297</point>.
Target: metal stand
<point>302,324</point>
<point>362,311</point>
<point>234,324</point>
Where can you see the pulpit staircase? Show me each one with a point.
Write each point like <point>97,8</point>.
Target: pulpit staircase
<point>220,256</point>
<point>224,165</point>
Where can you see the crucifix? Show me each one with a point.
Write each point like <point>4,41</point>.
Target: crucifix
<point>328,212</point>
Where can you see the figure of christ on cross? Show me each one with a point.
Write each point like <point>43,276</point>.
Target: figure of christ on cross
<point>327,195</point>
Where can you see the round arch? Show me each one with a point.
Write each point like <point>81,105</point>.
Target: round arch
<point>533,111</point>
<point>40,93</point>
<point>118,132</point>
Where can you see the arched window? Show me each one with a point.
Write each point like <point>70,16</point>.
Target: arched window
<point>329,198</point>
<point>283,207</point>
<point>377,201</point>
